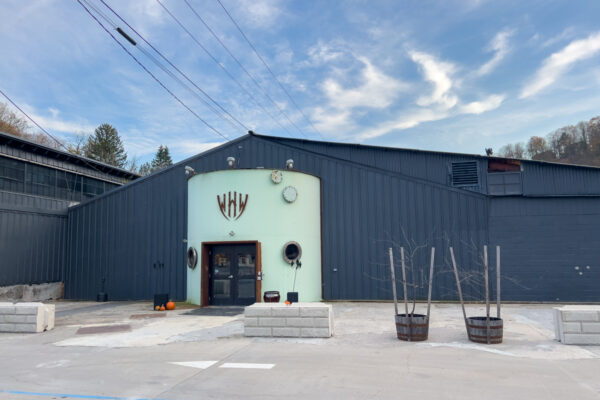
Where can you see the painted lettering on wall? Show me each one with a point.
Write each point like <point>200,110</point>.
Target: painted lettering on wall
<point>232,206</point>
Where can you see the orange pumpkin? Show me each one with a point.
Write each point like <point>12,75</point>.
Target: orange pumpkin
<point>162,308</point>
<point>170,305</point>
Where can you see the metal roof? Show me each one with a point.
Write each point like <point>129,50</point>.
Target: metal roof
<point>64,156</point>
<point>281,139</point>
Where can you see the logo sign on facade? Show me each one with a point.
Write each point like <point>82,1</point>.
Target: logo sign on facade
<point>232,205</point>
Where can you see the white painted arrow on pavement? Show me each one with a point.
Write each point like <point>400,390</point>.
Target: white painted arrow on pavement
<point>195,364</point>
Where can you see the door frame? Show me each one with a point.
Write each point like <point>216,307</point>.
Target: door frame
<point>205,263</point>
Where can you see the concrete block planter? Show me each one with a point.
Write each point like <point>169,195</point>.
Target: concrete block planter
<point>26,317</point>
<point>577,324</point>
<point>307,320</point>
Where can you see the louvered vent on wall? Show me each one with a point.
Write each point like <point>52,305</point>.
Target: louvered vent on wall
<point>465,173</point>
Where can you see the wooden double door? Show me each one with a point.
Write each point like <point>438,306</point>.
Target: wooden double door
<point>233,274</point>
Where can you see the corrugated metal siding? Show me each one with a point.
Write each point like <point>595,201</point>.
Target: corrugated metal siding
<point>32,240</point>
<point>42,159</point>
<point>122,236</point>
<point>541,179</point>
<point>547,247</point>
<point>369,202</point>
<point>430,166</point>
<point>133,237</point>
<point>33,202</point>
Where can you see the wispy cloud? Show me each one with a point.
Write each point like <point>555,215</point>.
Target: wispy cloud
<point>323,53</point>
<point>416,117</point>
<point>438,73</point>
<point>192,147</point>
<point>500,46</point>
<point>260,13</point>
<point>377,90</point>
<point>406,121</point>
<point>558,63</point>
<point>478,107</point>
<point>568,33</point>
<point>56,124</point>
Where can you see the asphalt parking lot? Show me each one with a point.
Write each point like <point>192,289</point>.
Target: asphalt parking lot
<point>185,356</point>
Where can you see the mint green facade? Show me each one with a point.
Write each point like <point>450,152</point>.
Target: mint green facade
<point>267,218</point>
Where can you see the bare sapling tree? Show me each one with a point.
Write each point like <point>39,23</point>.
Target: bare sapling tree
<point>406,319</point>
<point>472,276</point>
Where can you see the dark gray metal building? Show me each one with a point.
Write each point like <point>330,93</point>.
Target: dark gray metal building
<point>37,185</point>
<point>545,217</point>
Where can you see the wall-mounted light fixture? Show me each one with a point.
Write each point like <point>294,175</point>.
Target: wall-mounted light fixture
<point>231,162</point>
<point>189,171</point>
<point>289,164</point>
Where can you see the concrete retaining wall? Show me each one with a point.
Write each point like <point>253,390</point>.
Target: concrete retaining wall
<point>41,292</point>
<point>296,320</point>
<point>26,317</point>
<point>577,324</point>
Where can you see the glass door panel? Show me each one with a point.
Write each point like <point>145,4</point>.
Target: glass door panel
<point>246,275</point>
<point>232,274</point>
<point>221,277</point>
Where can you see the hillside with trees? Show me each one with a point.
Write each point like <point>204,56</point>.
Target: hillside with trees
<point>572,144</point>
<point>18,126</point>
<point>103,145</point>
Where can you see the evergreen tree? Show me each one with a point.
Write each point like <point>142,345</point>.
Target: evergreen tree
<point>106,146</point>
<point>162,158</point>
<point>145,169</point>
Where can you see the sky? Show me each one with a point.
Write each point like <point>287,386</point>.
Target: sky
<point>455,75</point>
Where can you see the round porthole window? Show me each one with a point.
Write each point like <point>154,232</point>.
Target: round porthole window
<point>292,252</point>
<point>192,258</point>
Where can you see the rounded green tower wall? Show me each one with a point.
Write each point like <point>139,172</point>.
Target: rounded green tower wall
<point>267,218</point>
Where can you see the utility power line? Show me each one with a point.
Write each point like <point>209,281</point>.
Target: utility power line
<point>267,66</point>
<point>167,71</point>
<point>215,130</point>
<point>32,120</point>
<point>230,75</point>
<point>234,57</point>
<point>45,131</point>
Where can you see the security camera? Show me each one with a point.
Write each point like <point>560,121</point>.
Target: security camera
<point>189,171</point>
<point>231,162</point>
<point>289,164</point>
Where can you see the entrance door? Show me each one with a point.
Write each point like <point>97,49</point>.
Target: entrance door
<point>232,274</point>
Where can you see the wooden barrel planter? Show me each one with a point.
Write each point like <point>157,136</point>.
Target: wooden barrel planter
<point>477,331</point>
<point>413,328</point>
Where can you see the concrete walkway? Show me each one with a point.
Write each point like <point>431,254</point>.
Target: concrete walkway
<point>183,356</point>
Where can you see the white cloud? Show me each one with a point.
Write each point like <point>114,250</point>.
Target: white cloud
<point>328,120</point>
<point>555,65</point>
<point>260,13</point>
<point>377,90</point>
<point>322,53</point>
<point>193,147</point>
<point>54,112</point>
<point>406,121</point>
<point>416,117</point>
<point>438,73</point>
<point>568,33</point>
<point>499,45</point>
<point>55,124</point>
<point>479,107</point>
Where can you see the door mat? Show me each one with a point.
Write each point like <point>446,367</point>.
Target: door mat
<point>216,311</point>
